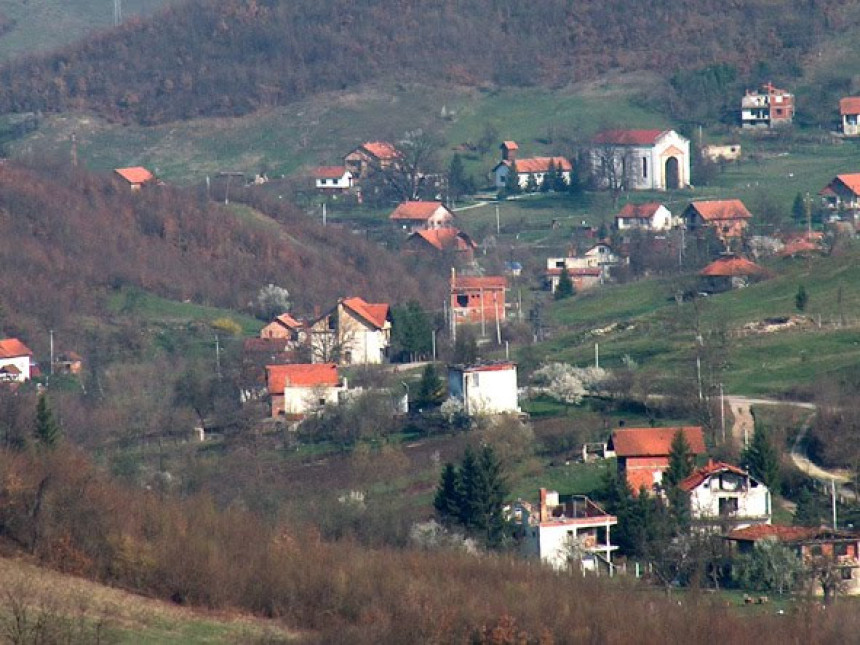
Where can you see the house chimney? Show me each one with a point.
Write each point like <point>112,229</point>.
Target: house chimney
<point>542,513</point>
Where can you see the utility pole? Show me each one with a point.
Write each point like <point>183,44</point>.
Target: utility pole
<point>433,341</point>
<point>324,214</point>
<point>217,356</point>
<point>52,352</point>
<point>498,221</point>
<point>74,139</point>
<point>723,412</point>
<point>498,322</point>
<point>597,355</point>
<point>117,12</point>
<point>833,501</point>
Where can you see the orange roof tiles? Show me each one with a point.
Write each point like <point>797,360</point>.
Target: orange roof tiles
<point>445,238</point>
<point>510,145</point>
<point>381,149</point>
<point>849,105</point>
<point>851,181</point>
<point>288,321</point>
<point>489,367</point>
<point>135,174</point>
<point>329,172</point>
<point>639,211</point>
<point>655,442</point>
<point>731,266</point>
<point>542,164</point>
<point>775,531</point>
<point>479,282</point>
<point>799,247</point>
<point>712,468</point>
<point>720,209</point>
<point>13,348</point>
<point>374,313</point>
<point>301,375</point>
<point>415,210</point>
<point>628,137</point>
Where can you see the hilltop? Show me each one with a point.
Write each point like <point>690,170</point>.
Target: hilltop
<point>232,57</point>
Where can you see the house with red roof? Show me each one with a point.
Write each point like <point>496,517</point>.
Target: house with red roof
<point>371,156</point>
<point>849,111</point>
<point>442,240</point>
<point>477,299</point>
<point>136,176</point>
<point>729,272</point>
<point>729,218</point>
<point>15,359</point>
<point>354,331</point>
<point>562,527</point>
<point>284,327</point>
<point>487,388</point>
<point>843,192</point>
<point>419,215</point>
<point>643,453</point>
<point>722,494</point>
<point>300,388</point>
<point>651,216</point>
<point>640,160</point>
<point>333,179</point>
<point>528,168</point>
<point>831,553</point>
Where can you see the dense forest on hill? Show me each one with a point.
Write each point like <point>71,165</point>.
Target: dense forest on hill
<point>230,57</point>
<point>70,236</point>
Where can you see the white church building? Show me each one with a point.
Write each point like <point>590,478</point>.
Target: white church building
<point>641,160</point>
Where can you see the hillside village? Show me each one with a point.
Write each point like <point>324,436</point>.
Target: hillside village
<point>616,353</point>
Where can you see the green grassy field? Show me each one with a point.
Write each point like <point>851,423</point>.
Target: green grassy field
<point>42,25</point>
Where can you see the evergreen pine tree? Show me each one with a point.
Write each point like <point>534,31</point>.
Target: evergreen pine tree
<point>47,430</point>
<point>469,485</point>
<point>761,458</point>
<point>565,285</point>
<point>430,388</point>
<point>808,512</point>
<point>801,298</point>
<point>487,497</point>
<point>449,495</point>
<point>458,183</point>
<point>560,184</point>
<point>512,181</point>
<point>531,183</point>
<point>680,461</point>
<point>548,178</point>
<point>798,210</point>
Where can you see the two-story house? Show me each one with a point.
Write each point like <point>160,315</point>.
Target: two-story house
<point>352,332</point>
<point>15,359</point>
<point>722,494</point>
<point>371,156</point>
<point>768,107</point>
<point>651,216</point>
<point>843,192</point>
<point>562,530</point>
<point>420,215</point>
<point>477,299</point>
<point>489,388</point>
<point>643,453</point>
<point>729,218</point>
<point>333,179</point>
<point>298,389</point>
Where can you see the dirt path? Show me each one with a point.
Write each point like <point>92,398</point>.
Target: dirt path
<point>742,429</point>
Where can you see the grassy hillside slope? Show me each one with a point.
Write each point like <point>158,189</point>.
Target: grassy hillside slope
<point>658,334</point>
<point>53,607</point>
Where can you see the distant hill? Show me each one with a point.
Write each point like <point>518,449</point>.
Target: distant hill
<point>231,57</point>
<point>71,237</point>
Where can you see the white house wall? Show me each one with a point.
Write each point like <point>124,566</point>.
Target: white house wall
<point>754,502</point>
<point>22,363</point>
<point>301,400</point>
<point>485,392</point>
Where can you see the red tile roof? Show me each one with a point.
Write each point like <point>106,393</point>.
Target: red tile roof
<point>329,172</point>
<point>628,137</point>
<point>849,105</point>
<point>712,468</point>
<point>799,247</point>
<point>445,238</point>
<point>135,174</point>
<point>851,181</point>
<point>541,164</point>
<point>639,211</point>
<point>415,210</point>
<point>720,209</point>
<point>301,375</point>
<point>374,313</point>
<point>490,367</point>
<point>731,266</point>
<point>775,531</point>
<point>288,321</point>
<point>576,272</point>
<point>13,348</point>
<point>479,282</point>
<point>510,145</point>
<point>381,149</point>
<point>655,442</point>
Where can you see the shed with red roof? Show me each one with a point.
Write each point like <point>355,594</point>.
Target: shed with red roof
<point>300,388</point>
<point>643,453</point>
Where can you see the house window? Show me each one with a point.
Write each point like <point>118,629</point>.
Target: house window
<point>462,300</point>
<point>847,573</point>
<point>815,550</point>
<point>644,167</point>
<point>840,549</point>
<point>728,505</point>
<point>322,402</point>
